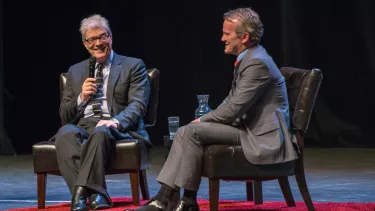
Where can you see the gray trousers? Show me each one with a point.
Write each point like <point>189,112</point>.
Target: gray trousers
<point>183,166</point>
<point>82,152</point>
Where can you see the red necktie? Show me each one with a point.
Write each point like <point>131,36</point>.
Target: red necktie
<point>235,63</point>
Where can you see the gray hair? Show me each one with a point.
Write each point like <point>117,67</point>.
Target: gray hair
<point>93,22</point>
<point>249,22</point>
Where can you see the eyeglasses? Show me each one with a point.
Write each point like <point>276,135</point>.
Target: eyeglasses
<point>102,38</point>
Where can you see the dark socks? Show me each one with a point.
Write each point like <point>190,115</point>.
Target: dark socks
<point>190,196</point>
<point>165,194</point>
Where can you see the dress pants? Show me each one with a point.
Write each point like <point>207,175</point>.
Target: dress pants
<point>82,152</point>
<point>183,166</point>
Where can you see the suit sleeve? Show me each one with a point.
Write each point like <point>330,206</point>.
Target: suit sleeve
<point>138,96</point>
<point>68,106</point>
<point>253,82</point>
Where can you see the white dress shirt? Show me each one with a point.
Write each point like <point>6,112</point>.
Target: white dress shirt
<point>104,106</point>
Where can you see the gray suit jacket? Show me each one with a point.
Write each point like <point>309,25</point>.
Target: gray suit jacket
<point>258,105</point>
<point>128,91</point>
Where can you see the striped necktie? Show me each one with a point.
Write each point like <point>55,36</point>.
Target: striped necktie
<point>97,98</point>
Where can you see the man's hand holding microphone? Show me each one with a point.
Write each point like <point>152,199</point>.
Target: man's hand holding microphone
<point>89,90</point>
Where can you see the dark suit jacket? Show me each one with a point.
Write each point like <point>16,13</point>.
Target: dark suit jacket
<point>128,91</point>
<point>258,105</point>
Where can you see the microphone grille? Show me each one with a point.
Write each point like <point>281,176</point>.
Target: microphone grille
<point>92,60</point>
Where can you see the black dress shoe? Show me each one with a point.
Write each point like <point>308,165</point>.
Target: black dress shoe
<point>183,206</point>
<point>99,202</point>
<point>79,199</point>
<point>151,205</point>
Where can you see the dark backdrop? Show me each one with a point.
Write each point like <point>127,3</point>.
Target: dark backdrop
<point>182,39</point>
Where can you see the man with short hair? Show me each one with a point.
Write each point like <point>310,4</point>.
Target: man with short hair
<point>98,110</point>
<point>249,116</point>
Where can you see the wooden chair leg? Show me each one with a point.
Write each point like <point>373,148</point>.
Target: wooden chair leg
<point>258,195</point>
<point>249,191</point>
<point>41,182</point>
<point>285,188</point>
<point>302,185</point>
<point>144,185</point>
<point>134,183</point>
<point>214,186</point>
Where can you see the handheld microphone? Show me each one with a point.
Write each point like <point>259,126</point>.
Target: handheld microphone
<point>92,62</point>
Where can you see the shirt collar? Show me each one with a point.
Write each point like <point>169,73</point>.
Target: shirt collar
<point>109,60</point>
<point>242,54</point>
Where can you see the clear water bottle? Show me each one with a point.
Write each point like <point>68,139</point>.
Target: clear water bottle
<point>203,107</point>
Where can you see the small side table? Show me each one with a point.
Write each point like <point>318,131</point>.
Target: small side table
<point>167,144</point>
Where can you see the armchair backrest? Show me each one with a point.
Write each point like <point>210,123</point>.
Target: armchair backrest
<point>302,86</point>
<point>153,76</point>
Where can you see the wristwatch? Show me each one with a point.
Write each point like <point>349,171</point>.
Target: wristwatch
<point>115,121</point>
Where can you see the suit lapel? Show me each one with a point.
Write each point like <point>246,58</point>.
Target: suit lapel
<point>239,67</point>
<point>245,58</point>
<point>85,74</point>
<point>112,79</point>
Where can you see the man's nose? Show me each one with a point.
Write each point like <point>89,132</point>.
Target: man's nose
<point>98,42</point>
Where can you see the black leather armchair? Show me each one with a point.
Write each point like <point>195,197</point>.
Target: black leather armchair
<point>228,162</point>
<point>132,150</point>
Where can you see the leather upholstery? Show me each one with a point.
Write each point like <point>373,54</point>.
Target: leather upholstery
<point>229,162</point>
<point>44,154</point>
<point>150,117</point>
<point>134,152</point>
<point>302,86</point>
<point>62,83</point>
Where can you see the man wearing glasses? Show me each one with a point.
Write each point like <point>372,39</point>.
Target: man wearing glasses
<point>98,109</point>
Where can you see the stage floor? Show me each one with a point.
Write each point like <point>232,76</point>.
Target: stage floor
<point>333,174</point>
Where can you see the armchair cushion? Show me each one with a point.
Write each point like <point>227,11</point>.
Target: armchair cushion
<point>131,154</point>
<point>224,161</point>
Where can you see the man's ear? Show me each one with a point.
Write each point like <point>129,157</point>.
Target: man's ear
<point>84,44</point>
<point>245,37</point>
